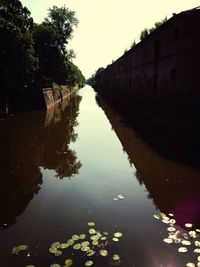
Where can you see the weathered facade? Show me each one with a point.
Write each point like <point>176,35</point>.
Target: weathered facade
<point>161,73</point>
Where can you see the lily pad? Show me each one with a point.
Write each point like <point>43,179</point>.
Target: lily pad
<point>120,196</point>
<point>95,242</point>
<point>85,248</point>
<point>156,216</point>
<point>54,265</point>
<point>85,244</point>
<point>188,225</point>
<point>171,229</point>
<point>77,246</point>
<point>82,236</point>
<point>75,237</point>
<point>117,234</point>
<point>68,262</point>
<point>55,244</point>
<point>182,250</point>
<point>91,223</point>
<point>105,233</point>
<point>103,252</point>
<point>64,245</point>
<point>190,264</point>
<point>58,253</point>
<point>103,238</point>
<point>53,250</point>
<point>116,257</point>
<point>197,243</point>
<point>92,231</point>
<point>186,242</point>
<point>168,240</point>
<point>193,234</point>
<point>90,253</point>
<point>34,266</point>
<point>115,239</point>
<point>197,250</point>
<point>88,263</point>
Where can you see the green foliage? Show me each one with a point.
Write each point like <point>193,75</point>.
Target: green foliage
<point>35,52</point>
<point>18,62</point>
<point>146,31</point>
<point>62,20</point>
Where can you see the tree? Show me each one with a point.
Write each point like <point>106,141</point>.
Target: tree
<point>62,20</point>
<point>18,61</point>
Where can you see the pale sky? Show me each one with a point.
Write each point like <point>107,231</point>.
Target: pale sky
<point>108,27</point>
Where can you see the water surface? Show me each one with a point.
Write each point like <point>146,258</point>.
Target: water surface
<point>63,168</point>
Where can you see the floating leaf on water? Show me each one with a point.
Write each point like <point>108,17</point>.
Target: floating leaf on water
<point>171,229</point>
<point>85,248</point>
<point>34,266</point>
<point>92,231</point>
<point>91,223</point>
<point>115,198</point>
<point>75,237</point>
<point>197,230</point>
<point>85,244</point>
<point>190,264</point>
<point>58,253</point>
<point>94,237</point>
<point>198,258</point>
<point>120,196</point>
<point>95,242</point>
<point>70,242</point>
<point>117,234</point>
<point>55,244</point>
<point>15,250</point>
<point>82,236</point>
<point>88,263</point>
<point>116,257</point>
<point>171,214</point>
<point>162,214</point>
<point>115,239</point>
<point>193,234</point>
<point>103,252</point>
<point>172,221</point>
<point>188,225</point>
<point>103,238</point>
<point>182,249</point>
<point>166,220</point>
<point>105,233</point>
<point>185,235</point>
<point>186,242</point>
<point>197,243</point>
<point>64,245</point>
<point>68,262</point>
<point>54,265</point>
<point>198,264</point>
<point>197,250</point>
<point>156,216</point>
<point>77,246</point>
<point>168,240</point>
<point>53,250</point>
<point>22,247</point>
<point>90,253</point>
<point>177,240</point>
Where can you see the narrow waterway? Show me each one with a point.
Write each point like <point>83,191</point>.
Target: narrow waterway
<point>78,163</point>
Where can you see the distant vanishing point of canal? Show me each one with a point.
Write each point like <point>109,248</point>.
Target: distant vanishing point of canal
<point>80,188</point>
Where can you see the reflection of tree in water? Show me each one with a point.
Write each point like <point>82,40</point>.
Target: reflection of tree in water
<point>56,154</point>
<point>27,143</point>
<point>173,187</point>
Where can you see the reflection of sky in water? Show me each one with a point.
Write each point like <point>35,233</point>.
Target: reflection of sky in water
<point>63,207</point>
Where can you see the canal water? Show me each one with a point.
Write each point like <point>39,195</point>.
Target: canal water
<point>77,173</point>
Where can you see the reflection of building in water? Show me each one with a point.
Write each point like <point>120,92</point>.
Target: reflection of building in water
<point>174,187</point>
<point>27,143</point>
